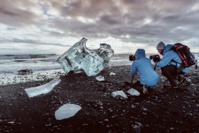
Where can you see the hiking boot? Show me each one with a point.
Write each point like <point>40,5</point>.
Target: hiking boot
<point>187,83</point>
<point>180,78</point>
<point>174,83</point>
<point>181,81</point>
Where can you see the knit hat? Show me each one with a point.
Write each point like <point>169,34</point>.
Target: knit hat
<point>160,45</point>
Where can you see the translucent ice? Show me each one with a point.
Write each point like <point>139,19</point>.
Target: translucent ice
<point>79,58</point>
<point>133,92</point>
<point>119,93</point>
<point>100,78</point>
<point>66,111</point>
<point>112,73</point>
<point>43,89</point>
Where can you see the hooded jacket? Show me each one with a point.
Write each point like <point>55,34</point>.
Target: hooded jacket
<point>170,57</point>
<point>142,65</point>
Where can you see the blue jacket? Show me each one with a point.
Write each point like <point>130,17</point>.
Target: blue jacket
<point>142,65</point>
<point>168,57</point>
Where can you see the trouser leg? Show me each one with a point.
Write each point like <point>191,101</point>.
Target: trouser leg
<point>170,72</point>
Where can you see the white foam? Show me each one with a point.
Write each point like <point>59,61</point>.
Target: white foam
<point>14,78</point>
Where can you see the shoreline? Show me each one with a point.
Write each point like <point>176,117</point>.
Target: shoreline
<point>15,78</point>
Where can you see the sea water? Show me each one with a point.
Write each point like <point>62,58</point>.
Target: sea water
<point>14,63</point>
<point>43,66</point>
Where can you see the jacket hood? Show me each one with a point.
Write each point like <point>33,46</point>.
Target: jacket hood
<point>167,48</point>
<point>140,53</point>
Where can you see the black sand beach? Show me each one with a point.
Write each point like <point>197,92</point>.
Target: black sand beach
<point>162,111</point>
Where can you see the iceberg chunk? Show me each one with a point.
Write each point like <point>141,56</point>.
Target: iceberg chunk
<point>66,111</point>
<point>79,58</point>
<point>100,78</point>
<point>133,92</point>
<point>43,89</point>
<point>119,93</point>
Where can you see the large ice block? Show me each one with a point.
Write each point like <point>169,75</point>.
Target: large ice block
<point>79,58</point>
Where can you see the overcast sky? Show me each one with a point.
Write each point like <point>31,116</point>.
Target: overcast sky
<point>53,26</point>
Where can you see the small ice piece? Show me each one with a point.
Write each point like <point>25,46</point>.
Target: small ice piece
<point>11,122</point>
<point>133,92</point>
<point>137,128</point>
<point>43,89</point>
<point>112,73</point>
<point>100,78</point>
<point>79,58</point>
<point>138,123</point>
<point>120,93</point>
<point>133,106</point>
<point>66,111</point>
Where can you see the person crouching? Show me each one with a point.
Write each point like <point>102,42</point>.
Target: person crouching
<point>142,65</point>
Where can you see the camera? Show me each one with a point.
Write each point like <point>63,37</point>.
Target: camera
<point>131,57</point>
<point>155,58</point>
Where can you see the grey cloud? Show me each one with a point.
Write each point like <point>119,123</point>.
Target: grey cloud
<point>29,41</point>
<point>113,18</point>
<point>109,20</point>
<point>57,34</point>
<point>10,28</point>
<point>194,44</point>
<point>11,14</point>
<point>86,8</point>
<point>76,28</point>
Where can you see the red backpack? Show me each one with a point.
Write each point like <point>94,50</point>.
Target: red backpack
<point>185,55</point>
